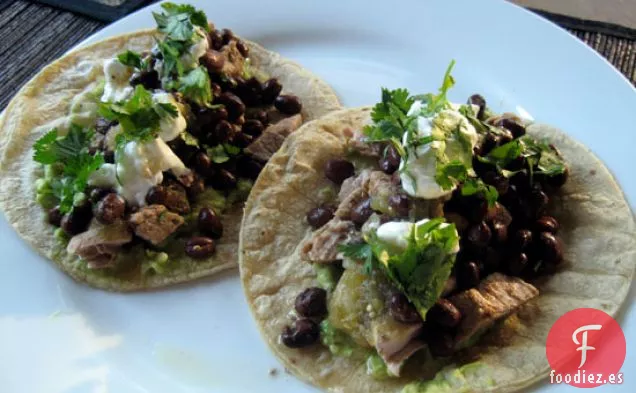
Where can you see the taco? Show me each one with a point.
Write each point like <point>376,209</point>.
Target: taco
<point>426,246</point>
<point>126,162</point>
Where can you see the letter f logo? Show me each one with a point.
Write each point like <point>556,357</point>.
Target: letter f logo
<point>584,347</point>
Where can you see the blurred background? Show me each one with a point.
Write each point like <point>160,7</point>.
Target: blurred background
<point>35,32</point>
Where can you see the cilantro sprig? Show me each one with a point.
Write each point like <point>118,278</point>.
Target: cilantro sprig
<point>139,116</point>
<point>456,172</point>
<point>72,152</point>
<point>437,102</point>
<point>390,120</point>
<point>542,155</point>
<point>360,252</point>
<point>178,21</point>
<point>131,59</point>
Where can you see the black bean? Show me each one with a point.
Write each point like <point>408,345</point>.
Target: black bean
<point>148,79</point>
<point>499,232</point>
<point>547,224</point>
<point>176,199</point>
<point>550,248</point>
<point>224,180</point>
<point>202,163</point>
<point>233,104</point>
<point>271,89</point>
<point>157,195</point>
<point>557,181</point>
<point>505,136</point>
<point>242,140</point>
<point>303,333</point>
<point>517,164</point>
<point>312,302</point>
<point>319,216</point>
<point>110,208</point>
<point>242,48</point>
<point>209,223</point>
<point>476,208</point>
<point>460,222</point>
<point>337,170</point>
<point>210,116</point>
<point>223,131</point>
<point>248,167</point>
<point>401,309</point>
<point>522,239</point>
<point>361,212</point>
<point>498,181</point>
<point>517,129</point>
<point>216,89</point>
<point>98,193</point>
<point>390,162</point>
<point>213,61</point>
<point>215,39</point>
<point>400,205</point>
<point>196,187</point>
<point>492,260</point>
<point>444,313</point>
<point>288,104</point>
<point>109,156</point>
<point>441,344</point>
<point>537,202</point>
<point>481,167</point>
<point>480,101</point>
<point>468,275</point>
<point>77,220</point>
<point>489,142</point>
<point>257,114</point>
<point>199,247</point>
<point>479,235</point>
<point>227,35</point>
<point>521,181</point>
<point>54,216</point>
<point>253,127</point>
<point>517,264</point>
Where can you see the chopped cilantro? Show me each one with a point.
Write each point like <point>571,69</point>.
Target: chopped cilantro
<point>178,21</point>
<point>474,186</point>
<point>70,151</point>
<point>131,59</point>
<point>542,155</point>
<point>359,252</point>
<point>189,139</point>
<point>195,85</point>
<point>450,174</point>
<point>171,52</point>
<point>389,116</point>
<point>435,103</point>
<point>218,154</point>
<point>232,150</point>
<point>139,116</point>
<point>502,155</point>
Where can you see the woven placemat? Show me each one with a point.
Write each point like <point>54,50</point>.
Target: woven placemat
<point>35,34</point>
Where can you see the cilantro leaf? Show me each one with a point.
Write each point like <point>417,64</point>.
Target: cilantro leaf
<point>435,103</point>
<point>390,116</point>
<point>171,52</point>
<point>131,59</point>
<point>178,21</point>
<point>49,149</point>
<point>543,155</point>
<point>139,116</point>
<point>189,139</point>
<point>502,155</point>
<point>218,154</point>
<point>359,252</point>
<point>195,85</point>
<point>449,174</point>
<point>474,186</point>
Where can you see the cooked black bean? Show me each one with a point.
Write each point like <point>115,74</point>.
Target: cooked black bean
<point>110,208</point>
<point>98,193</point>
<point>216,89</point>
<point>242,48</point>
<point>337,170</point>
<point>520,180</point>
<point>157,195</point>
<point>109,156</point>
<point>215,39</point>
<point>77,220</point>
<point>223,131</point>
<point>257,114</point>
<point>400,205</point>
<point>498,181</point>
<point>505,136</point>
<point>479,235</point>
<point>224,180</point>
<point>468,275</point>
<point>209,223</point>
<point>401,309</point>
<point>441,344</point>
<point>148,79</point>
<point>538,201</point>
<point>476,208</point>
<point>227,35</point>
<point>517,264</point>
<point>522,239</point>
<point>361,212</point>
<point>248,167</point>
<point>288,104</point>
<point>249,91</point>
<point>211,116</point>
<point>202,163</point>
<point>480,101</point>
<point>461,223</point>
<point>499,232</point>
<point>319,216</point>
<point>196,187</point>
<point>517,164</point>
<point>517,129</point>
<point>492,260</point>
<point>54,216</point>
<point>481,167</point>
<point>489,142</point>
<point>312,302</point>
<point>390,162</point>
<point>271,90</point>
<point>199,247</point>
<point>213,61</point>
<point>233,104</point>
<point>444,313</point>
<point>253,127</point>
<point>547,224</point>
<point>550,248</point>
<point>303,333</point>
<point>557,181</point>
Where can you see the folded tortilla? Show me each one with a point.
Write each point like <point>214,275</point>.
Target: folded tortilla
<point>598,232</point>
<point>46,101</point>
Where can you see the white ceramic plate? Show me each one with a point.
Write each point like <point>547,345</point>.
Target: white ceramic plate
<point>57,336</point>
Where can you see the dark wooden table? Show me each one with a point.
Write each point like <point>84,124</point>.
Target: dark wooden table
<point>34,34</point>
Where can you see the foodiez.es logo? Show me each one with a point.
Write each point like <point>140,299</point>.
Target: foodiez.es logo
<point>586,348</point>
